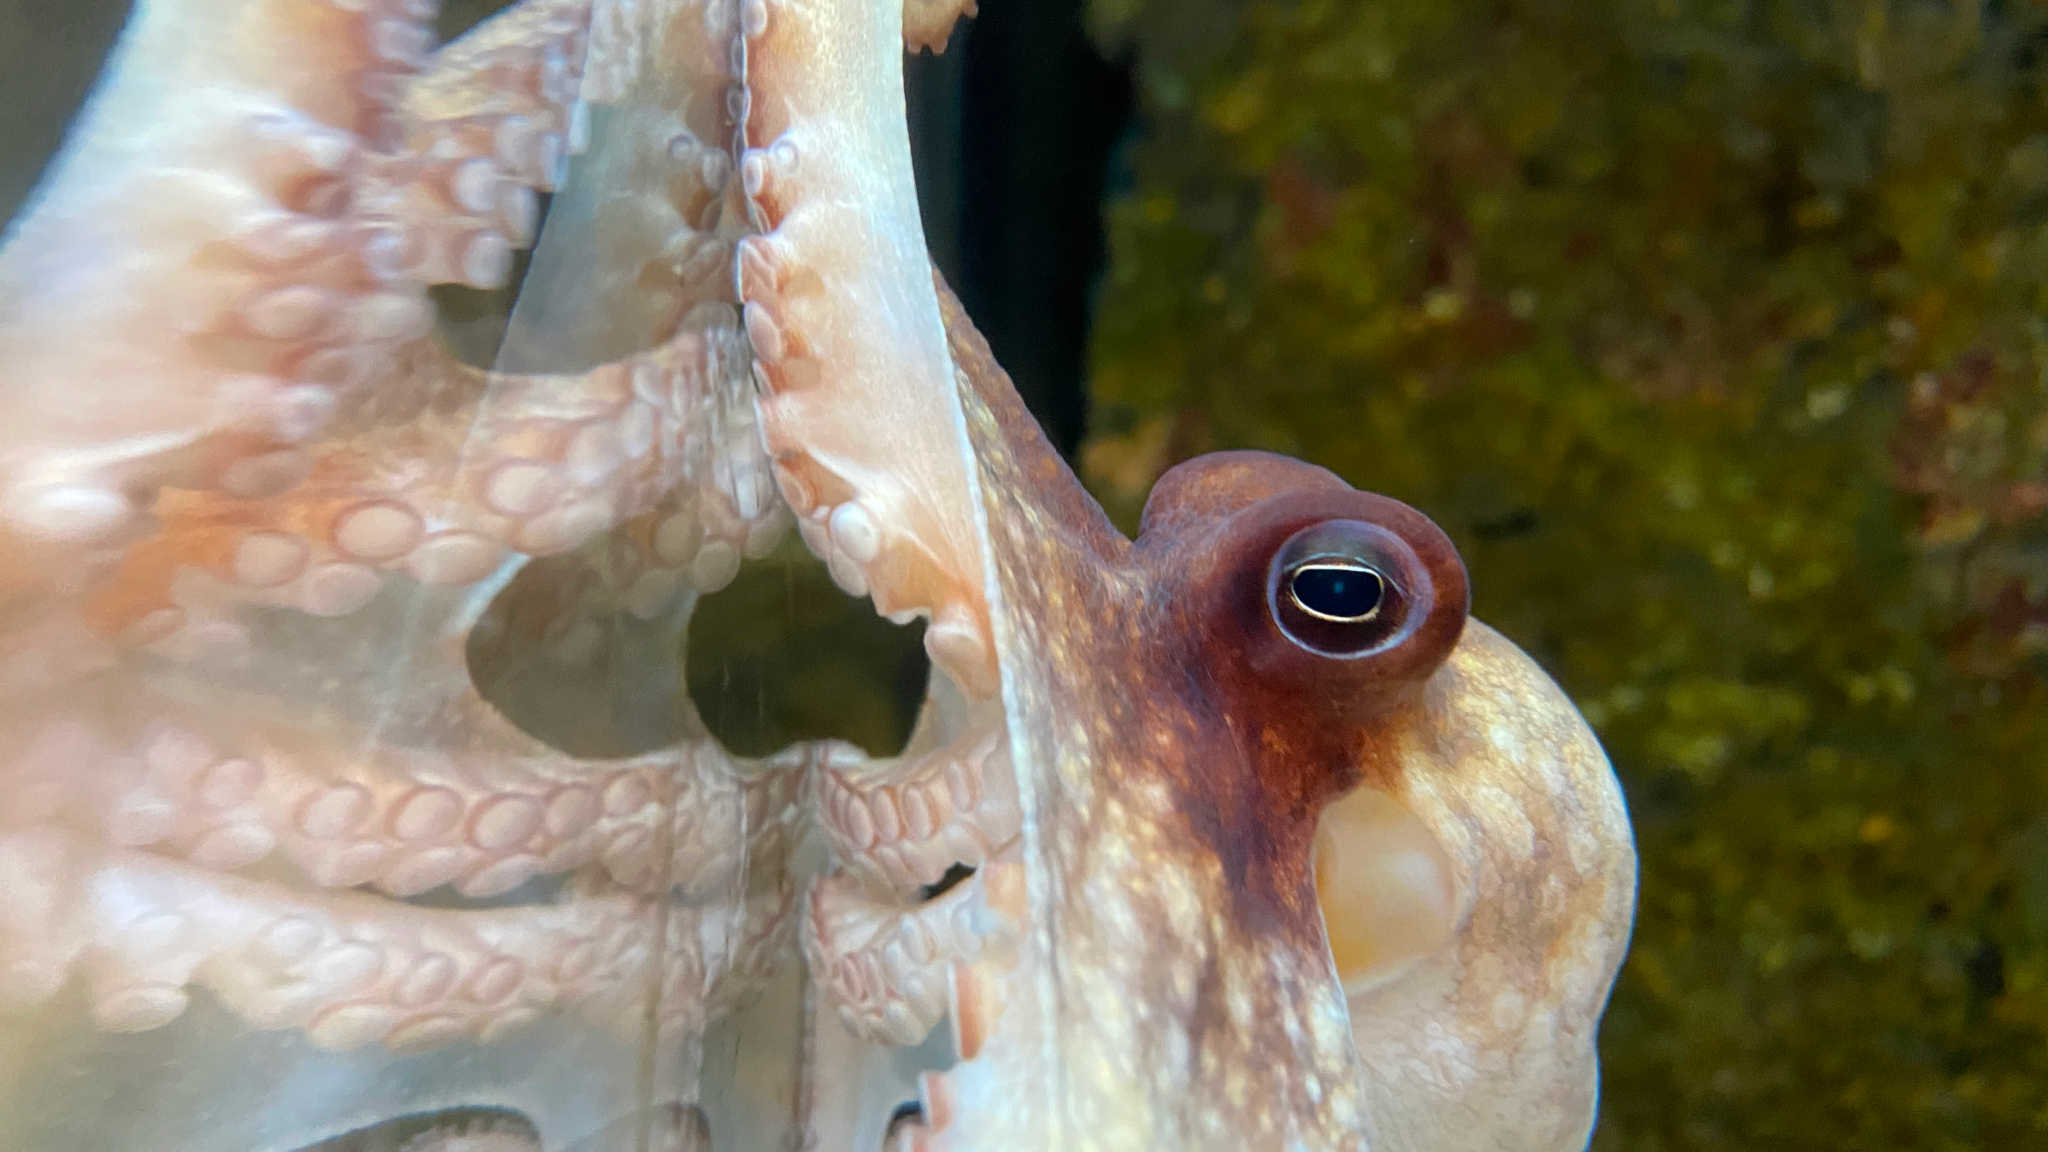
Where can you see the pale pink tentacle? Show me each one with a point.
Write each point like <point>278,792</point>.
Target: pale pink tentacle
<point>859,409</point>
<point>672,1127</point>
<point>347,969</point>
<point>885,966</point>
<point>233,281</point>
<point>900,824</point>
<point>389,469</point>
<point>857,402</point>
<point>487,124</point>
<point>473,466</point>
<point>483,813</point>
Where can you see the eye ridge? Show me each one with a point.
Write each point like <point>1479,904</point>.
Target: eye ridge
<point>1327,580</point>
<point>1347,588</point>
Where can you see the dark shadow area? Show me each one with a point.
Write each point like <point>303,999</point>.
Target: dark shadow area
<point>51,51</point>
<point>1012,131</point>
<point>448,1130</point>
<point>782,655</point>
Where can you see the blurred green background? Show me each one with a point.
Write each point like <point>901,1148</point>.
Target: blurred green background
<point>1713,332</point>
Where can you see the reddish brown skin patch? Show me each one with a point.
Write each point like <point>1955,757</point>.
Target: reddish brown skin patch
<point>1283,729</point>
<point>1178,749</point>
<point>1176,746</point>
<point>1262,731</point>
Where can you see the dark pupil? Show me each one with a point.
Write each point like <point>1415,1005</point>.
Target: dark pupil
<point>1337,591</point>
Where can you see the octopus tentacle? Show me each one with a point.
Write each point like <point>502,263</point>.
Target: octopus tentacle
<point>346,969</point>
<point>275,589</point>
<point>981,990</point>
<point>483,813</point>
<point>885,966</point>
<point>506,91</point>
<point>474,466</point>
<point>851,393</point>
<point>643,225</point>
<point>297,257</point>
<point>228,184</point>
<point>404,500</point>
<point>459,1129</point>
<point>840,311</point>
<point>900,824</point>
<point>487,123</point>
<point>910,835</point>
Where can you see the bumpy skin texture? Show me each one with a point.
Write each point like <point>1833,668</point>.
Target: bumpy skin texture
<point>1172,986</point>
<point>258,817</point>
<point>337,677</point>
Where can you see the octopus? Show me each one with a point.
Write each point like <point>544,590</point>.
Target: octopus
<point>348,798</point>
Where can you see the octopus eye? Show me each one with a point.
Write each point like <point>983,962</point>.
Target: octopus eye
<point>1337,589</point>
<point>1346,588</point>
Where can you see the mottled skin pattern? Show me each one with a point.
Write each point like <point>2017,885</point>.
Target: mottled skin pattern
<point>1487,1041</point>
<point>339,747</point>
<point>1181,989</point>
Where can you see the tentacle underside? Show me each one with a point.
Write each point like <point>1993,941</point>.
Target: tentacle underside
<point>338,678</point>
<point>859,410</point>
<point>856,382</point>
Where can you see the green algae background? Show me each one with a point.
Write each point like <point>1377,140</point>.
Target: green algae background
<point>1714,334</point>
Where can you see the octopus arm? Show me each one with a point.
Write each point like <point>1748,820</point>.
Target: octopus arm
<point>857,407</point>
<point>210,252</point>
<point>281,573</point>
<point>344,968</point>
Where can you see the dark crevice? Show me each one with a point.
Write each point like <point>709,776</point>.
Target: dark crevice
<point>907,1113</point>
<point>458,1128</point>
<point>955,874</point>
<point>459,16</point>
<point>473,321</point>
<point>51,52</point>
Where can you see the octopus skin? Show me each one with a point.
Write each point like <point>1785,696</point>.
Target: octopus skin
<point>338,674</point>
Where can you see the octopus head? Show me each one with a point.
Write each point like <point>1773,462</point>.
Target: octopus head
<point>1312,616</point>
<point>1454,818</point>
